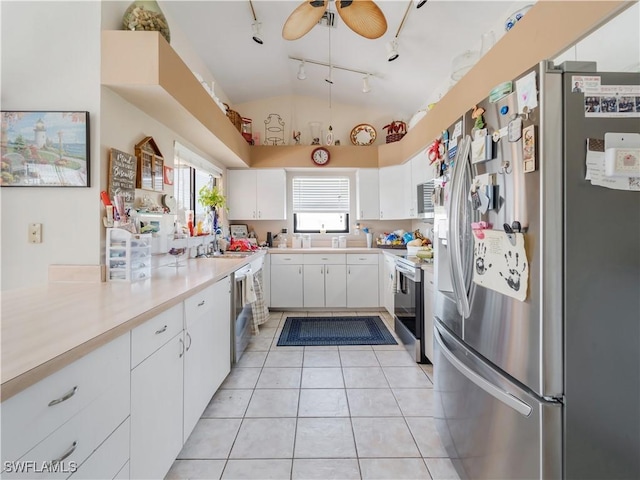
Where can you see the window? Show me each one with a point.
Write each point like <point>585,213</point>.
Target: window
<point>321,204</point>
<point>191,172</point>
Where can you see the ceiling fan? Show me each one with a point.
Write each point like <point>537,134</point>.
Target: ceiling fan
<point>362,16</point>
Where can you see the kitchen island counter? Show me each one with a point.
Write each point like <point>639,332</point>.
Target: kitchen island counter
<point>47,327</point>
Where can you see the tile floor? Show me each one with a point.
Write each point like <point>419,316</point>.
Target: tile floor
<point>355,412</point>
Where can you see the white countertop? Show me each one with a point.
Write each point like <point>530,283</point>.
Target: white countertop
<point>47,327</point>
<point>276,250</point>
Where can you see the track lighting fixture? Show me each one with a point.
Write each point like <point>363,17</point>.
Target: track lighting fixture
<point>302,75</point>
<point>329,79</point>
<point>420,3</point>
<point>366,88</point>
<point>256,26</point>
<point>392,50</point>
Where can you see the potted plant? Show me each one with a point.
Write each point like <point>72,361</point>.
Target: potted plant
<point>211,198</point>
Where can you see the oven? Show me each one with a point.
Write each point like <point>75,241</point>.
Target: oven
<point>408,310</point>
<point>241,316</point>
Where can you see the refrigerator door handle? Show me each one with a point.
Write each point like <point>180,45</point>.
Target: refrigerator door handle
<point>500,395</point>
<point>460,289</point>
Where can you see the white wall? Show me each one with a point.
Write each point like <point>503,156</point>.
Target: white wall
<point>297,112</point>
<point>51,61</point>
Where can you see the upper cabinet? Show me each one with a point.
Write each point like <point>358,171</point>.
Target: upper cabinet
<point>143,69</point>
<point>367,194</point>
<point>259,194</point>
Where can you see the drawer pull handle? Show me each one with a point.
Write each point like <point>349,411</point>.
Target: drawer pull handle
<point>201,303</point>
<point>189,337</point>
<point>66,454</point>
<point>162,330</point>
<point>65,397</point>
<point>181,348</point>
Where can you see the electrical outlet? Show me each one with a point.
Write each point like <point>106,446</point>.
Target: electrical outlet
<point>35,233</point>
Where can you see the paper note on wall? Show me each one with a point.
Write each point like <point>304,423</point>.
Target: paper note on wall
<point>500,265</point>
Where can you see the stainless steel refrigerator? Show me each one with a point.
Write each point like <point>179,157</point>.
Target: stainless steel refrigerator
<point>549,386</point>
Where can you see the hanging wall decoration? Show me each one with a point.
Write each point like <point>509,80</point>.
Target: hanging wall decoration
<point>45,149</point>
<point>274,130</point>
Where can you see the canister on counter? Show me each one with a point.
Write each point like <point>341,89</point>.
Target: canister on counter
<point>334,242</point>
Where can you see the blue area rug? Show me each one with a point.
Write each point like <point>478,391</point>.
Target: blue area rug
<point>309,331</point>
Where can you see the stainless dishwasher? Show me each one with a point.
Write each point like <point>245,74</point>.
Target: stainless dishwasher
<point>241,315</point>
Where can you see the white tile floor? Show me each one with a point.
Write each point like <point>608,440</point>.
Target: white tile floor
<point>357,412</point>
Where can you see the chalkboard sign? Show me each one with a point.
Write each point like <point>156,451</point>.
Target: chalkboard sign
<point>122,175</point>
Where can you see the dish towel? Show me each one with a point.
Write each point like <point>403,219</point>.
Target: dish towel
<point>248,289</point>
<point>259,310</point>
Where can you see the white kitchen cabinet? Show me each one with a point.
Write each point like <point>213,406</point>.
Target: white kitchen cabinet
<point>367,194</point>
<point>410,200</point>
<point>156,410</point>
<point>324,280</point>
<point>207,358</point>
<point>258,194</point>
<point>391,195</point>
<point>428,313</point>
<point>287,280</point>
<point>59,406</point>
<point>388,273</point>
<point>362,280</point>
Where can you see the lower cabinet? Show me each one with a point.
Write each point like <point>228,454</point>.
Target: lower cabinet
<point>156,410</point>
<point>207,349</point>
<point>388,274</point>
<point>325,283</point>
<point>286,280</point>
<point>362,280</point>
<point>62,424</point>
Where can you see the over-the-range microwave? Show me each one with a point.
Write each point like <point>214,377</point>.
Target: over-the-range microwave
<point>425,200</point>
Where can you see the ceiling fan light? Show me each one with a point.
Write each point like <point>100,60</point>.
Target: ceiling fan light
<point>302,75</point>
<point>392,50</point>
<point>366,88</point>
<point>256,28</point>
<point>420,3</point>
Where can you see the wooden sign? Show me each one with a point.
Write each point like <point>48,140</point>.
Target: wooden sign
<point>122,175</point>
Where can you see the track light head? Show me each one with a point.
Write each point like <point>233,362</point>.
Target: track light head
<point>392,50</point>
<point>420,3</point>
<point>329,78</point>
<point>366,88</point>
<point>302,75</point>
<point>256,28</point>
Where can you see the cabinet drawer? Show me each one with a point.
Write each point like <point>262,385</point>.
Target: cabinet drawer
<point>325,259</point>
<point>202,303</point>
<point>155,332</point>
<point>76,440</point>
<point>362,259</point>
<point>286,258</point>
<point>110,457</point>
<point>33,414</point>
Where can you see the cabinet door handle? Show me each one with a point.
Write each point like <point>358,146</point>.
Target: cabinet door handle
<point>327,270</point>
<point>361,213</point>
<point>162,330</point>
<point>254,214</point>
<point>201,303</point>
<point>189,337</point>
<point>380,213</point>
<point>321,270</point>
<point>349,270</point>
<point>300,270</point>
<point>66,454</point>
<point>259,214</point>
<point>181,348</point>
<point>65,397</point>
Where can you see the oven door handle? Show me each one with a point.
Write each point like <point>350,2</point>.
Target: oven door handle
<point>406,272</point>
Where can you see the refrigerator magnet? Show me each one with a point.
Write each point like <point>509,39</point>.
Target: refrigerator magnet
<point>529,149</point>
<point>515,129</point>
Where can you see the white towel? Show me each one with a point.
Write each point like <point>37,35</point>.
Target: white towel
<point>394,282</point>
<point>248,289</point>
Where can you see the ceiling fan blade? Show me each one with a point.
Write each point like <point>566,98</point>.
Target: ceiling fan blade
<point>363,17</point>
<point>303,19</point>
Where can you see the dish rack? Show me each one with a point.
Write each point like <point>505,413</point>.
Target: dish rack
<point>128,255</point>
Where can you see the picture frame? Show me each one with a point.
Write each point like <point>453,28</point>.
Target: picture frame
<point>168,175</point>
<point>45,149</point>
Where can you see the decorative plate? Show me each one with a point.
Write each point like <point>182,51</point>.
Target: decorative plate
<point>363,134</point>
<point>169,202</point>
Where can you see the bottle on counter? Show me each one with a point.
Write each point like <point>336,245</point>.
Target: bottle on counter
<point>282,239</point>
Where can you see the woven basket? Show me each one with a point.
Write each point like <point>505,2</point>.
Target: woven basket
<point>234,117</point>
<point>394,137</point>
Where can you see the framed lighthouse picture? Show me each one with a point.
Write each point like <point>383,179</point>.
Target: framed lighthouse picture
<point>44,149</point>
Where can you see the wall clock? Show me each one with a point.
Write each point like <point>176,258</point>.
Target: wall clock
<point>320,156</point>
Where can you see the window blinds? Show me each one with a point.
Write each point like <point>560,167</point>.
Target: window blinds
<point>320,194</point>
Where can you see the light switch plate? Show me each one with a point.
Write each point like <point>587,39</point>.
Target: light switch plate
<point>35,233</point>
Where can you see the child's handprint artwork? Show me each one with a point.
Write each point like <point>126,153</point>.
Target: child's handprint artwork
<point>515,269</point>
<point>480,253</point>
